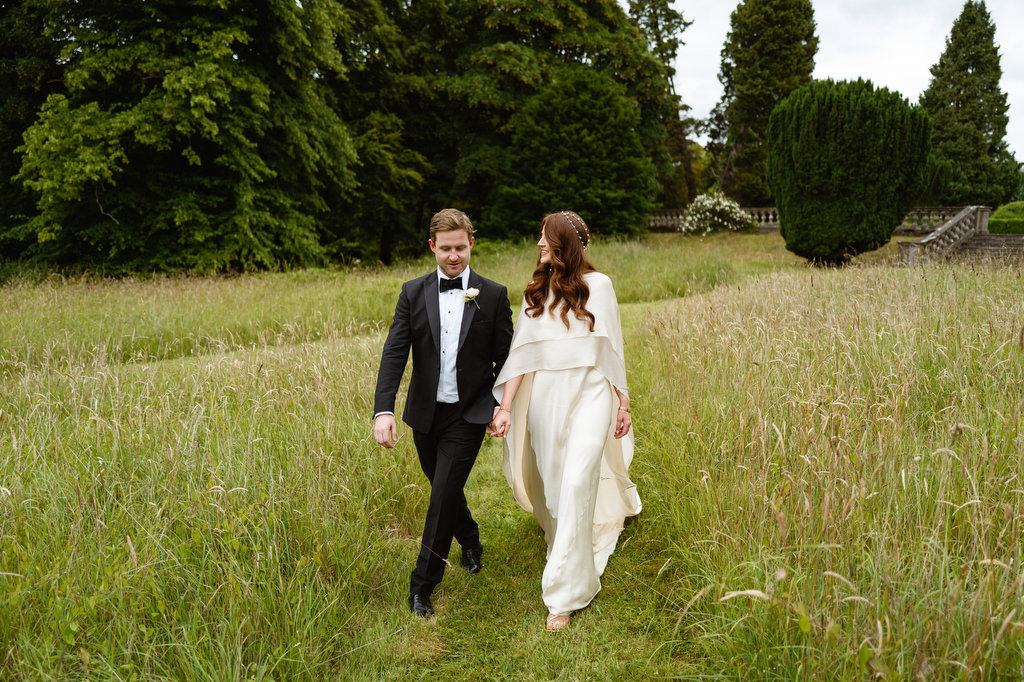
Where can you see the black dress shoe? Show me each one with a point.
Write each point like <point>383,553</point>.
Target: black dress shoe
<point>420,605</point>
<point>471,558</point>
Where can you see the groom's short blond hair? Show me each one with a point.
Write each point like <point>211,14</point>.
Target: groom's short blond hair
<point>449,219</point>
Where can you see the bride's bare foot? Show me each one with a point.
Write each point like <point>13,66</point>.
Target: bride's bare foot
<point>556,622</point>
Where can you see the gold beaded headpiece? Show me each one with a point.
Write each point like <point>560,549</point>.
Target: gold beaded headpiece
<point>569,216</point>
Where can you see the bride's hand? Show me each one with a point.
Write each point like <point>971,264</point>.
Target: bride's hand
<point>623,421</point>
<point>501,423</point>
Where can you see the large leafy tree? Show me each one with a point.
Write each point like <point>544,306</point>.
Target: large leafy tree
<point>29,72</point>
<point>220,134</point>
<point>969,113</point>
<point>845,162</point>
<point>192,135</point>
<point>768,52</point>
<point>478,63</point>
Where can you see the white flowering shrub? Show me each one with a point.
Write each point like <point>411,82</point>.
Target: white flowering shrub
<point>715,211</point>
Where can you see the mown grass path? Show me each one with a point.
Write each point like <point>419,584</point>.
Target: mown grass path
<point>491,625</point>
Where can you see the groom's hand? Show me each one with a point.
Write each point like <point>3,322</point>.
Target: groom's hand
<point>385,431</point>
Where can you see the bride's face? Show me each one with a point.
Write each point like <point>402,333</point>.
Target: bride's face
<point>545,254</point>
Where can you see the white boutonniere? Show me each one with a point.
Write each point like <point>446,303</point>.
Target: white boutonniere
<point>471,295</point>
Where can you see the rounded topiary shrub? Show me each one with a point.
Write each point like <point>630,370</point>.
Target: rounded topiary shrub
<point>1009,219</point>
<point>845,164</point>
<point>715,211</point>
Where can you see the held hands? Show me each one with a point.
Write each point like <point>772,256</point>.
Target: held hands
<point>385,431</point>
<point>501,423</point>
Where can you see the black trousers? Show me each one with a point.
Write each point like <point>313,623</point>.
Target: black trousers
<point>447,454</point>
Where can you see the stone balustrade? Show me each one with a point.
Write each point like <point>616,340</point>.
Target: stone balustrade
<point>666,219</point>
<point>969,221</point>
<point>919,220</point>
<point>766,217</point>
<point>925,219</point>
<point>670,219</point>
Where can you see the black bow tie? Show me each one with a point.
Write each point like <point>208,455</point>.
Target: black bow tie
<point>449,284</point>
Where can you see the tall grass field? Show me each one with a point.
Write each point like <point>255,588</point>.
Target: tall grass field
<point>830,463</point>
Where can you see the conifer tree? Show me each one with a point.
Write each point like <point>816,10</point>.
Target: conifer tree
<point>379,102</point>
<point>479,62</point>
<point>768,53</point>
<point>969,113</point>
<point>577,147</point>
<point>663,25</point>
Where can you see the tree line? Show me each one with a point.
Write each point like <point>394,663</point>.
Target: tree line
<point>213,135</point>
<point>221,135</point>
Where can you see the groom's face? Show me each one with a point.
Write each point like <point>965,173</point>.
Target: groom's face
<point>452,249</point>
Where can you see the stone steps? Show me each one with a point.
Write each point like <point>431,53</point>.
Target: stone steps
<point>992,247</point>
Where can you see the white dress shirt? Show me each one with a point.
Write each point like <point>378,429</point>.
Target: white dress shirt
<point>450,305</point>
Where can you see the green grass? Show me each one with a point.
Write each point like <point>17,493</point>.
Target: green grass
<point>847,443</point>
<point>70,323</point>
<point>189,489</point>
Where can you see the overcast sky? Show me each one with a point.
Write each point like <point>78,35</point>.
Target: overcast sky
<point>892,43</point>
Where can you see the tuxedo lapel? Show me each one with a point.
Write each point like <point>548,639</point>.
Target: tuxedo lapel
<point>429,293</point>
<point>470,308</point>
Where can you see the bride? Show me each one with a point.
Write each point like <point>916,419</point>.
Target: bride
<point>564,413</point>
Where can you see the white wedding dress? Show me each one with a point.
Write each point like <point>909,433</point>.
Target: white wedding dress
<point>561,459</point>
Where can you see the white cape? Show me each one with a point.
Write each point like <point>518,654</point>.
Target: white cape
<point>544,343</point>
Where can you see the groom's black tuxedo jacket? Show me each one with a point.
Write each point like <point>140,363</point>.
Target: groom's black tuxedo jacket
<point>483,346</point>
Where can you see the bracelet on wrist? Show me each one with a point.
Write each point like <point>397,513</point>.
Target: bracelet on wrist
<point>623,409</point>
<point>504,409</point>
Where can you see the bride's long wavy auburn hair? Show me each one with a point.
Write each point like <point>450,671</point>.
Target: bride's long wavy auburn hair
<point>564,276</point>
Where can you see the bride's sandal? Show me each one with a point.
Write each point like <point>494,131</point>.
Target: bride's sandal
<point>556,622</point>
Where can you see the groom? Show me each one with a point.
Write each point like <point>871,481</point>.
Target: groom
<point>459,327</point>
